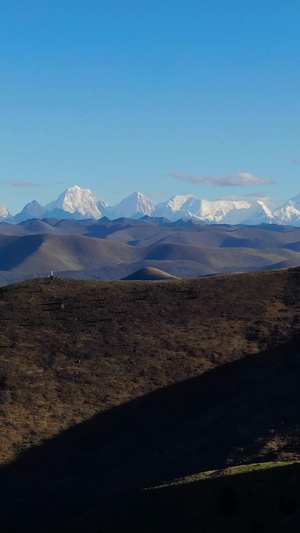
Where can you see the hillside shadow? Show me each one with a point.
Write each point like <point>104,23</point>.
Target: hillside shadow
<point>227,414</point>
<point>16,252</point>
<point>259,498</point>
<point>102,231</point>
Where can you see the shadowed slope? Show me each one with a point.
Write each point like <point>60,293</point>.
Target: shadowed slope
<point>45,252</point>
<point>244,411</point>
<point>257,497</point>
<point>221,259</point>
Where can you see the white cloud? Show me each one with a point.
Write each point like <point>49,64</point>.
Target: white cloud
<point>239,179</point>
<point>19,183</point>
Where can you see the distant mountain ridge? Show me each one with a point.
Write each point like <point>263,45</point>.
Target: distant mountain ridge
<point>289,212</point>
<point>77,203</point>
<point>105,249</point>
<point>218,212</point>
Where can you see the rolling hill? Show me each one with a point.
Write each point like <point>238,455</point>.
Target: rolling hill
<point>116,249</point>
<point>149,273</point>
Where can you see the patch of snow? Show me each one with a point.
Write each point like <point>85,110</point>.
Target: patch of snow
<point>132,204</point>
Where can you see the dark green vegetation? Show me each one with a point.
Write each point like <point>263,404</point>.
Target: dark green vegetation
<point>108,388</point>
<point>104,249</point>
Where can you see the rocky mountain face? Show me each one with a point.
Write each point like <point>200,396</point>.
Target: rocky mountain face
<point>77,200</point>
<point>77,203</point>
<point>5,214</point>
<point>289,212</point>
<point>31,210</point>
<point>133,206</point>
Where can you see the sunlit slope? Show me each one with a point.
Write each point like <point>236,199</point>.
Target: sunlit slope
<point>149,273</point>
<point>41,253</point>
<point>71,348</point>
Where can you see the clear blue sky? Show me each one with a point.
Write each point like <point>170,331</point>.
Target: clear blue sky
<point>165,97</point>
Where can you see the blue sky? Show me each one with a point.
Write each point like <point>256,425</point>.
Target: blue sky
<point>165,97</point>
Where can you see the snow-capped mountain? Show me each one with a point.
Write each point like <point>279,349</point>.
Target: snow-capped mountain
<point>31,210</point>
<point>135,205</point>
<point>289,212</point>
<point>178,207</point>
<point>260,214</point>
<point>218,212</point>
<point>5,214</point>
<point>78,201</point>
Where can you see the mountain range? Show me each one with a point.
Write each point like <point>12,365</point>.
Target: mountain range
<point>77,203</point>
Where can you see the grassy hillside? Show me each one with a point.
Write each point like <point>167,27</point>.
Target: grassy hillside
<point>137,383</point>
<point>98,344</point>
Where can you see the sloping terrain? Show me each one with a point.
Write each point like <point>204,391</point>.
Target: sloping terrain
<point>149,273</point>
<point>179,269</point>
<point>45,252</point>
<point>114,250</point>
<point>138,383</point>
<point>140,336</point>
<point>256,497</point>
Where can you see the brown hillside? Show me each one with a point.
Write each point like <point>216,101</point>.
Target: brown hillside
<point>150,273</point>
<point>72,348</point>
<point>149,380</point>
<point>102,256</point>
<point>45,252</point>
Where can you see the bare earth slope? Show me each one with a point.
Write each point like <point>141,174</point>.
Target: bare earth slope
<point>149,273</point>
<point>45,252</point>
<point>149,380</point>
<point>71,254</point>
<point>104,249</point>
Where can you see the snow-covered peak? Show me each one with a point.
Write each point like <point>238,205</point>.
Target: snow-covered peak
<point>131,205</point>
<point>215,212</point>
<point>266,209</point>
<point>77,200</point>
<point>79,203</point>
<point>4,213</point>
<point>220,210</point>
<point>179,204</point>
<point>289,212</point>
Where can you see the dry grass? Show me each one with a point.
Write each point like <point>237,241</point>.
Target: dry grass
<point>150,381</point>
<point>69,349</point>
